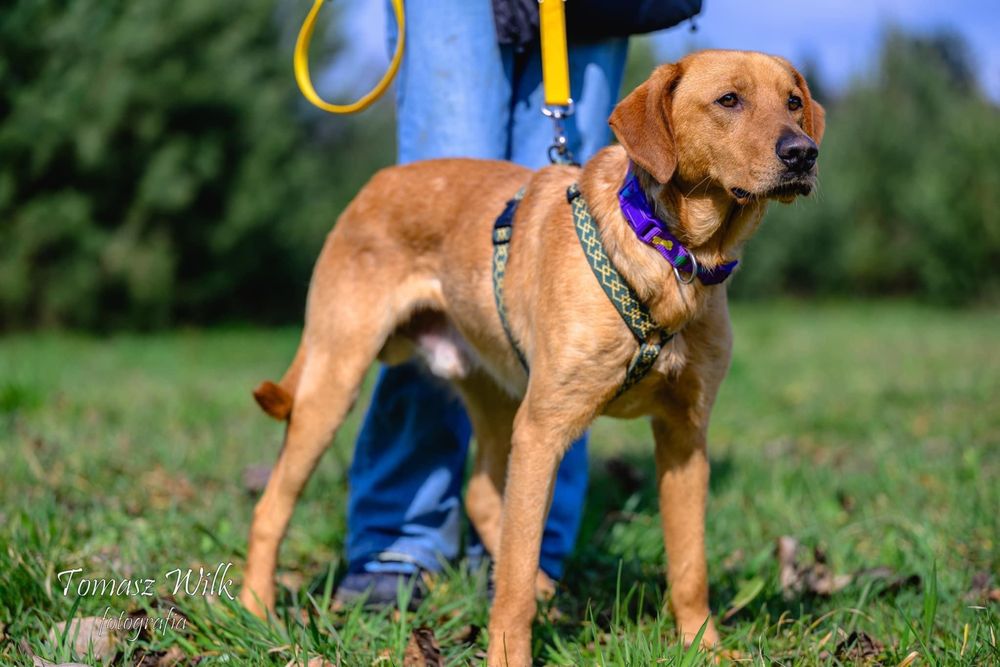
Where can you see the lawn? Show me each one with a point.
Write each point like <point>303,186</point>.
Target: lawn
<point>867,432</point>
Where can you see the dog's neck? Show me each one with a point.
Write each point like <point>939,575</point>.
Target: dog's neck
<point>706,220</point>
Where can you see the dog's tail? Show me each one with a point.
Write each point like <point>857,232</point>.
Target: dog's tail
<point>276,399</point>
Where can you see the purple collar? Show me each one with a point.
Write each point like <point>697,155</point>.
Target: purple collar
<point>654,232</point>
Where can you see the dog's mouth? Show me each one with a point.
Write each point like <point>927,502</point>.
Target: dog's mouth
<point>784,191</point>
<point>741,195</point>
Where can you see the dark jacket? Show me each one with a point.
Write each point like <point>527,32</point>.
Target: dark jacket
<point>588,20</point>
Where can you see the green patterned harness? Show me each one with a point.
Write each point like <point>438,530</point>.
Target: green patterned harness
<point>650,336</point>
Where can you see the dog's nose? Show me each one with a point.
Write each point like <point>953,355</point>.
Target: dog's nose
<point>797,151</point>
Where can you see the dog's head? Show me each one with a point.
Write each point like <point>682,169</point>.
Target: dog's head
<point>737,121</point>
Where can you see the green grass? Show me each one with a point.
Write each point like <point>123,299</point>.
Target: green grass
<point>869,431</point>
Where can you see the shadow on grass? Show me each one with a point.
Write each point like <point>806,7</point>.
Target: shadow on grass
<point>618,568</point>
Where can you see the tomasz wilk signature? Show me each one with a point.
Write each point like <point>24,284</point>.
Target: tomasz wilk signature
<point>201,582</point>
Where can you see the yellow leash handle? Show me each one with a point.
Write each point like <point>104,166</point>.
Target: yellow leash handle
<point>301,63</point>
<point>555,61</point>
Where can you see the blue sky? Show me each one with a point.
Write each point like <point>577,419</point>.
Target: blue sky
<point>842,36</point>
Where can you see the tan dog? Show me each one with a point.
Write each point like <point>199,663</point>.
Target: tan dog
<point>408,269</point>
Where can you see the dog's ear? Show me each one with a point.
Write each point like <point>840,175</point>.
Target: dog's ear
<point>818,122</point>
<point>813,113</point>
<point>641,122</point>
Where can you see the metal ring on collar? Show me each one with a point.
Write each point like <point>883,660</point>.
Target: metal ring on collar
<point>691,276</point>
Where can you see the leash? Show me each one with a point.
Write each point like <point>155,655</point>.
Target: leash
<point>555,71</point>
<point>301,64</point>
<point>555,76</point>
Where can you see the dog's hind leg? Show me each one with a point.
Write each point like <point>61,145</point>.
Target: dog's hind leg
<point>340,345</point>
<point>326,391</point>
<point>491,411</point>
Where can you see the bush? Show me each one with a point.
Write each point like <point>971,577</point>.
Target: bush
<point>909,176</point>
<point>157,164</point>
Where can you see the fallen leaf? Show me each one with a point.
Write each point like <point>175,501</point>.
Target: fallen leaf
<point>847,502</point>
<point>255,478</point>
<point>173,656</point>
<point>319,661</point>
<point>733,560</point>
<point>41,662</point>
<point>979,588</point>
<point>816,578</point>
<point>422,650</point>
<point>788,570</point>
<point>468,634</point>
<point>893,581</point>
<point>821,580</point>
<point>163,488</point>
<point>291,580</point>
<point>909,660</point>
<point>859,646</point>
<point>83,633</point>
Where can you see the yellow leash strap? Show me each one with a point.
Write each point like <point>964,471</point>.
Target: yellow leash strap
<point>301,63</point>
<point>555,61</point>
<point>555,76</point>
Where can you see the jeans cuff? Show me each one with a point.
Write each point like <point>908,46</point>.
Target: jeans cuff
<point>403,558</point>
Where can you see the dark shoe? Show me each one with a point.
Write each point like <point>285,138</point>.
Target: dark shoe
<point>381,590</point>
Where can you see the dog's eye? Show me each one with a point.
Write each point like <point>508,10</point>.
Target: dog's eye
<point>729,100</point>
<point>794,102</point>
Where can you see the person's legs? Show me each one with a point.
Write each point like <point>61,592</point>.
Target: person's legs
<point>403,509</point>
<point>595,77</point>
<point>453,89</point>
<point>453,99</point>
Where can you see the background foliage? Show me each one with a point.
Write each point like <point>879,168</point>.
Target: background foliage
<point>909,197</point>
<point>157,166</point>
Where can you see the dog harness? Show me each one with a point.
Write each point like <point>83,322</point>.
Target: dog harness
<point>650,230</point>
<point>502,230</point>
<point>650,336</point>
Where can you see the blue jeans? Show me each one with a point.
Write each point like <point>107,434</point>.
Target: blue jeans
<point>460,94</point>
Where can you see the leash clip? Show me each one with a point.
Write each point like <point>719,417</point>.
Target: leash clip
<point>559,152</point>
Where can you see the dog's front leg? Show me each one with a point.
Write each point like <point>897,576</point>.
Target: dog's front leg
<point>682,476</point>
<point>536,450</point>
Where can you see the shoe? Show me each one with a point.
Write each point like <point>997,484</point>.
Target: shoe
<point>381,590</point>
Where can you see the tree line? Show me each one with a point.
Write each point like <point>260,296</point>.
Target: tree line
<point>159,167</point>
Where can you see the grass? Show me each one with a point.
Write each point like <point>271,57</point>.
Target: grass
<point>867,431</point>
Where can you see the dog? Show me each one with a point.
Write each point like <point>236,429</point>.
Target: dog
<point>711,140</point>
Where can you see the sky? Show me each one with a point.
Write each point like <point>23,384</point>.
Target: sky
<point>841,36</point>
